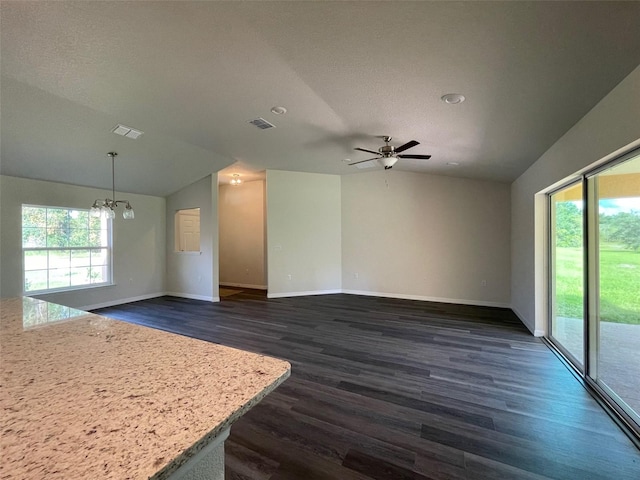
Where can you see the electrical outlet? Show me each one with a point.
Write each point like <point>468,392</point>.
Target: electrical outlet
<point>483,283</point>
<point>289,277</point>
<point>356,275</point>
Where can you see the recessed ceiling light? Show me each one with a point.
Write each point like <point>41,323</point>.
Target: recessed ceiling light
<point>452,98</point>
<point>278,110</point>
<point>453,164</point>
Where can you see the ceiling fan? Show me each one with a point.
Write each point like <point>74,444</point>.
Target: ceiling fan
<point>387,156</point>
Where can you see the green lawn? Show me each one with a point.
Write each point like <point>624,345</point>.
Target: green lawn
<point>619,284</point>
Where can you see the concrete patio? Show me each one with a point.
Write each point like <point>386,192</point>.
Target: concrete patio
<point>619,356</point>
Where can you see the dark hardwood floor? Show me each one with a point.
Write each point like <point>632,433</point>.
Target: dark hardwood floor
<point>399,389</point>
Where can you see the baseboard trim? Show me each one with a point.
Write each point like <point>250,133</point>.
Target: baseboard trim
<point>303,294</point>
<point>535,332</point>
<point>193,297</point>
<point>391,295</point>
<point>120,301</point>
<point>243,285</point>
<point>423,298</point>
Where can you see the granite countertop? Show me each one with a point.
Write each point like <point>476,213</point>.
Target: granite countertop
<point>83,396</point>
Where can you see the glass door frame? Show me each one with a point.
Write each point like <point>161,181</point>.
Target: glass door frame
<point>588,371</point>
<point>581,367</point>
<point>593,263</point>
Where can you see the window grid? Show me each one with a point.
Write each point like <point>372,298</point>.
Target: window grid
<point>64,248</point>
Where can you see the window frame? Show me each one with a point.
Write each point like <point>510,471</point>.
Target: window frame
<point>109,252</point>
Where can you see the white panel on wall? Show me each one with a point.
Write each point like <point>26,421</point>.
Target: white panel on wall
<point>303,233</point>
<point>421,236</point>
<point>241,214</point>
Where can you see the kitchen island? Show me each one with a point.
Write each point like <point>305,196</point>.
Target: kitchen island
<point>87,397</point>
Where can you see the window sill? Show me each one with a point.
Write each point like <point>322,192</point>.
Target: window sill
<point>67,289</point>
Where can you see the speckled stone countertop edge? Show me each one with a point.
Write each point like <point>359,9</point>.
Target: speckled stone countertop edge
<point>186,455</point>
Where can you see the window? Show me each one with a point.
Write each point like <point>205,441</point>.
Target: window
<point>64,249</point>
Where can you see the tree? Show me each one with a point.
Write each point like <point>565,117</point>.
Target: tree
<point>568,224</point>
<point>624,227</point>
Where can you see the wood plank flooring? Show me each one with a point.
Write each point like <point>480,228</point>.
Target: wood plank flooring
<point>397,389</point>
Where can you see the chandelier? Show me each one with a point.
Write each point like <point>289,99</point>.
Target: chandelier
<point>236,180</point>
<point>106,208</point>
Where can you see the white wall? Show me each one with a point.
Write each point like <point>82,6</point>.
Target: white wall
<point>194,274</point>
<point>241,215</point>
<point>411,235</point>
<point>303,233</point>
<point>138,245</point>
<point>610,128</point>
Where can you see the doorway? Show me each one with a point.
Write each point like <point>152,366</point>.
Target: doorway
<point>242,237</point>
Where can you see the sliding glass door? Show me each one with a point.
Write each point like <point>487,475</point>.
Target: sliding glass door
<point>567,272</point>
<point>614,272</point>
<point>600,337</point>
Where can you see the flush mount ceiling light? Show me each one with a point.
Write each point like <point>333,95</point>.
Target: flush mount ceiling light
<point>278,110</point>
<point>106,208</point>
<point>236,180</point>
<point>452,98</point>
<point>128,132</point>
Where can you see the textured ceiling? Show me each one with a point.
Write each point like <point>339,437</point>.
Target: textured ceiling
<point>192,74</point>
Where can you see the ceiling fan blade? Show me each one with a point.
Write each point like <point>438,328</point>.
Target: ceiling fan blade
<point>406,146</point>
<point>365,150</point>
<point>367,160</point>
<point>418,157</point>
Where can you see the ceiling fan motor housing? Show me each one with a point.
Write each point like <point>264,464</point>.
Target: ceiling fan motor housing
<point>387,150</point>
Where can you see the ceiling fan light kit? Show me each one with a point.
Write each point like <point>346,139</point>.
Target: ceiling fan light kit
<point>388,155</point>
<point>387,162</point>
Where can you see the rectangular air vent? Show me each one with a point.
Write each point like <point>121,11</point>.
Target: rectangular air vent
<point>262,124</point>
<point>127,131</point>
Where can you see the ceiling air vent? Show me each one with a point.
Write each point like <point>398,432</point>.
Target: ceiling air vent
<point>262,124</point>
<point>126,131</point>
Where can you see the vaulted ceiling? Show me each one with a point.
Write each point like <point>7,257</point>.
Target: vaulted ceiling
<point>191,75</point>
